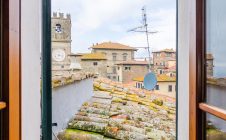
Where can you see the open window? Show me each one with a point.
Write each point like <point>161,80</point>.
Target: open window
<point>207,79</point>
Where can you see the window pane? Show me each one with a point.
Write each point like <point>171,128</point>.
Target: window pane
<point>216,128</point>
<point>92,39</point>
<point>215,52</point>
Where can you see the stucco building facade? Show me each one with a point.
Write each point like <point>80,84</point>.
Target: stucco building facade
<point>163,60</point>
<point>115,53</point>
<point>128,70</point>
<point>166,85</point>
<point>95,63</point>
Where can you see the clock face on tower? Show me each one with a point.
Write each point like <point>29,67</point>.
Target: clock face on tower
<point>58,55</point>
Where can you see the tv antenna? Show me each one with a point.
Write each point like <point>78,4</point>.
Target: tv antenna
<point>150,79</point>
<point>144,29</point>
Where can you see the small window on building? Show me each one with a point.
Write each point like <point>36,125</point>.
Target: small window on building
<point>95,63</point>
<point>170,88</point>
<point>124,56</point>
<point>141,85</point>
<point>114,77</point>
<point>157,87</point>
<point>62,66</point>
<point>127,68</point>
<point>118,68</point>
<point>58,28</point>
<point>114,70</point>
<point>118,78</point>
<point>109,77</point>
<point>168,54</point>
<point>160,72</point>
<point>114,56</point>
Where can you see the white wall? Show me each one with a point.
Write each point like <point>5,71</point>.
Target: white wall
<point>31,68</point>
<point>67,100</point>
<point>183,68</point>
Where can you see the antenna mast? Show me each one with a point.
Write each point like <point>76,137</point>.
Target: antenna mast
<point>144,29</point>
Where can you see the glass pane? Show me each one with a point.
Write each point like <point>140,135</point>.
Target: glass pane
<point>215,52</point>
<point>216,128</point>
<point>98,70</point>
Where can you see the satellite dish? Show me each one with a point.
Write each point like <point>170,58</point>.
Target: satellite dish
<point>150,81</point>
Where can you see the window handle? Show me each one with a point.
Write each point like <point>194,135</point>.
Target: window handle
<point>2,105</point>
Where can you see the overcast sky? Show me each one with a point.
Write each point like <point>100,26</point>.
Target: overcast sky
<point>96,21</point>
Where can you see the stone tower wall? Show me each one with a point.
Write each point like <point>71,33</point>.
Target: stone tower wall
<point>61,40</point>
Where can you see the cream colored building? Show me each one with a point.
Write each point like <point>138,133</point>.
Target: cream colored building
<point>166,85</point>
<point>115,53</point>
<point>61,42</point>
<point>128,70</point>
<point>95,63</point>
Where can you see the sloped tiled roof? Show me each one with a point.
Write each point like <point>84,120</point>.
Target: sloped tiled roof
<point>78,54</point>
<point>139,79</point>
<point>94,56</point>
<point>165,50</point>
<point>115,112</point>
<point>133,63</point>
<point>165,78</point>
<point>69,78</point>
<point>160,78</point>
<point>112,46</point>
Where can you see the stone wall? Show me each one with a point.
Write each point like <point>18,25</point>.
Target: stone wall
<point>133,72</point>
<point>119,58</point>
<point>162,60</point>
<point>67,99</point>
<point>100,68</point>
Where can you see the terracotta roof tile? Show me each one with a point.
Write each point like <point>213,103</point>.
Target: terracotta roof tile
<point>113,46</point>
<point>119,113</point>
<point>165,50</point>
<point>94,56</point>
<point>78,54</point>
<point>160,78</point>
<point>133,63</point>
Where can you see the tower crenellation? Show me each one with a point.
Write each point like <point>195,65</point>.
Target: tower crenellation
<point>60,15</point>
<point>54,14</point>
<point>68,16</point>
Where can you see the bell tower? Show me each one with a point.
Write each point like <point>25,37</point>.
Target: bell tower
<point>61,41</point>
